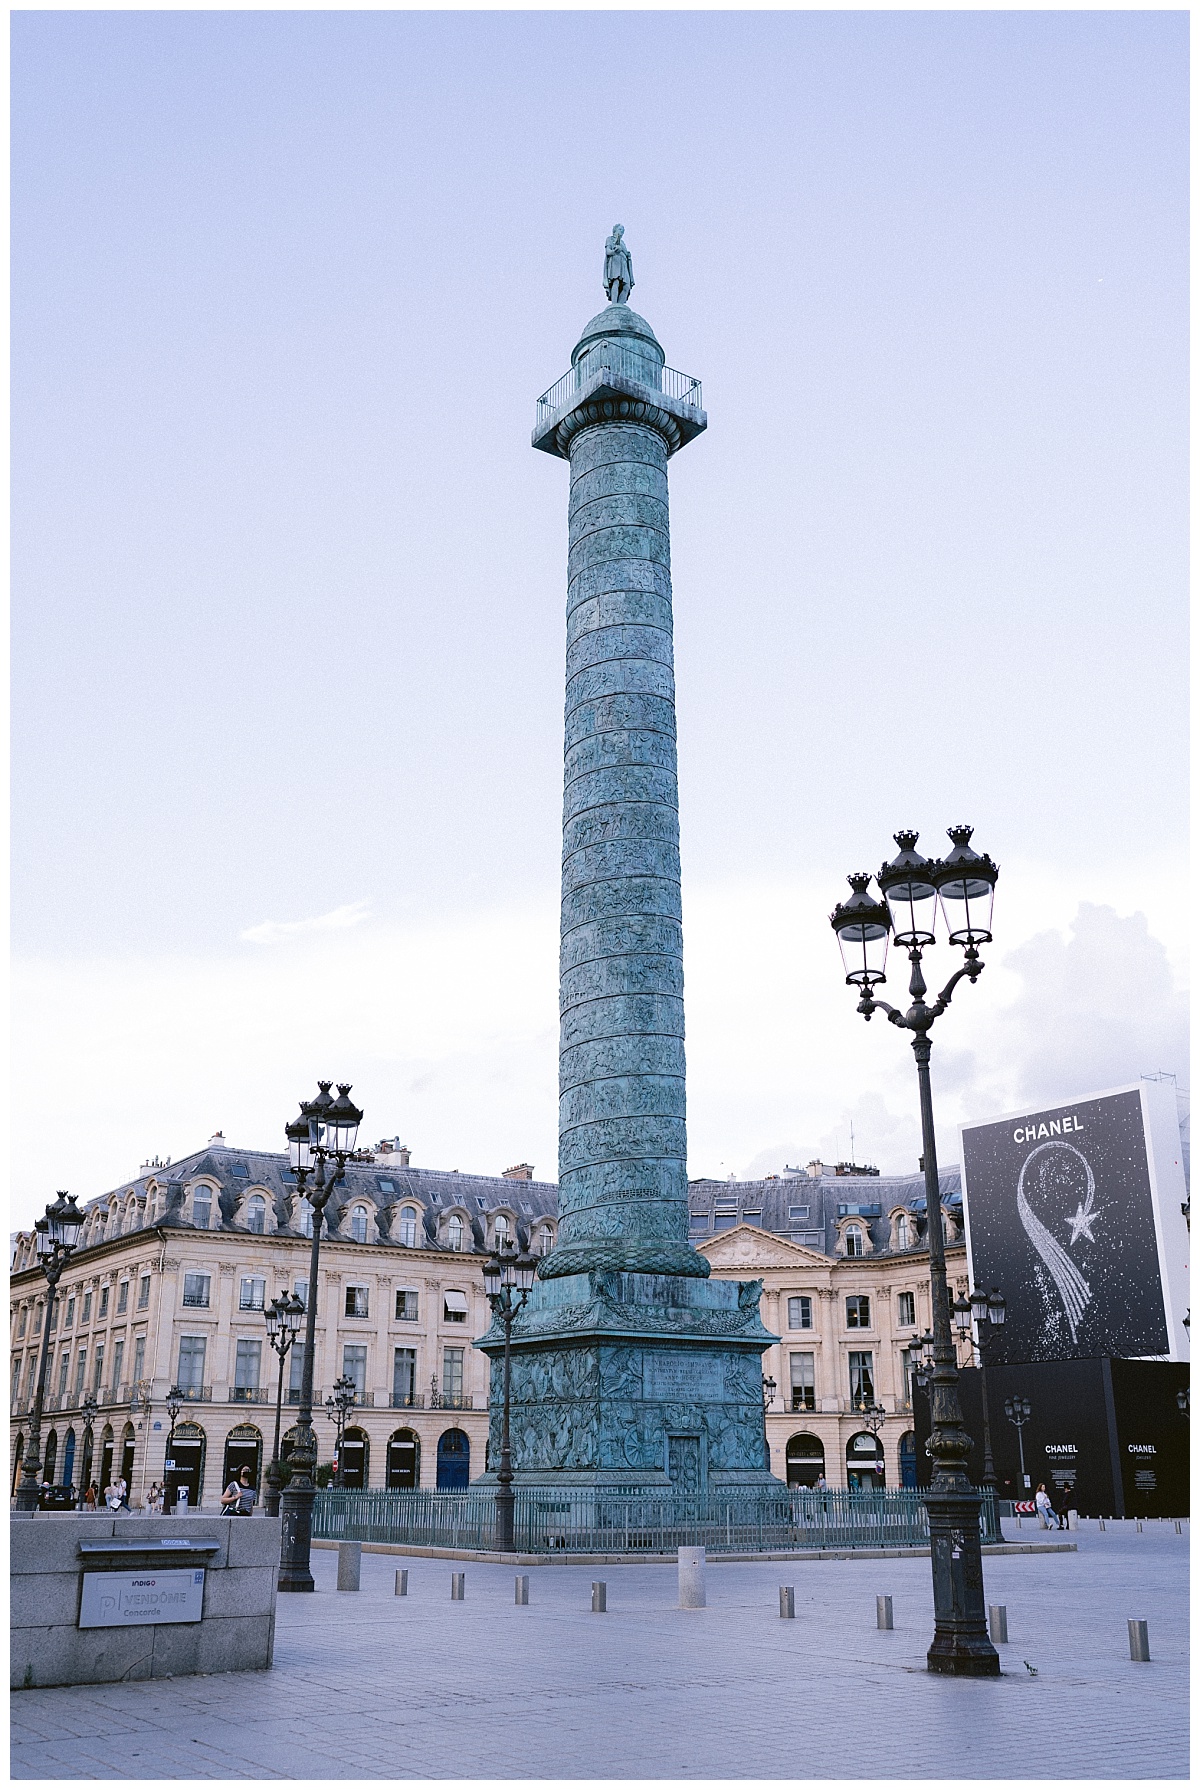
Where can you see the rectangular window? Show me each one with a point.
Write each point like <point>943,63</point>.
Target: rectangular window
<point>118,1362</point>
<point>143,1292</point>
<point>31,1379</point>
<point>123,1298</point>
<point>16,1380</point>
<point>54,1317</point>
<point>798,1214</point>
<point>67,1322</point>
<point>724,1221</point>
<point>407,1305</point>
<point>751,1217</point>
<point>452,1373</point>
<point>191,1362</point>
<point>247,1364</point>
<point>862,1377</point>
<point>196,1289</point>
<point>908,1367</point>
<point>800,1312</point>
<point>64,1369</point>
<point>253,1293</point>
<point>386,1186</point>
<point>906,1308</point>
<point>858,1312</point>
<point>454,1308</point>
<point>98,1368</point>
<point>302,1292</point>
<point>804,1391</point>
<point>356,1302</point>
<point>80,1370</point>
<point>202,1208</point>
<point>37,1320</point>
<point>698,1225</point>
<point>404,1376</point>
<point>354,1366</point>
<point>87,1309</point>
<point>103,1302</point>
<point>21,1316</point>
<point>295,1373</point>
<point>139,1358</point>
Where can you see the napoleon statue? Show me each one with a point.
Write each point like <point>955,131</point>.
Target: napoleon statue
<point>618,267</point>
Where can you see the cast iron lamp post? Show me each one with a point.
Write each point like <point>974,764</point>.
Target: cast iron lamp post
<point>507,1278</point>
<point>768,1395</point>
<point>87,1411</point>
<point>284,1316</point>
<point>175,1403</point>
<point>983,1311</point>
<point>337,1405</point>
<point>1183,1398</point>
<point>320,1140</point>
<point>962,887</point>
<point>57,1234</point>
<point>1019,1411</point>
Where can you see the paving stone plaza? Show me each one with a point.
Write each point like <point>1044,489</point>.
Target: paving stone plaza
<point>369,1685</point>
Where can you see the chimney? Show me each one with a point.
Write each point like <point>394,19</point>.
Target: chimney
<point>521,1171</point>
<point>404,1153</point>
<point>217,1140</point>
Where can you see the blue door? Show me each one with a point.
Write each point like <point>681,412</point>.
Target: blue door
<point>908,1459</point>
<point>453,1461</point>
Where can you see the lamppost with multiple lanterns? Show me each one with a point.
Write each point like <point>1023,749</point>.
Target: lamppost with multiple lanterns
<point>283,1317</point>
<point>87,1411</point>
<point>983,1313</point>
<point>337,1406</point>
<point>768,1397</point>
<point>56,1237</point>
<point>507,1280</point>
<point>914,892</point>
<point>176,1398</point>
<point>1019,1411</point>
<point>319,1142</point>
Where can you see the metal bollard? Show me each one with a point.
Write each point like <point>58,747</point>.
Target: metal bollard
<point>402,1583</point>
<point>691,1579</point>
<point>522,1588</point>
<point>1072,1519</point>
<point>1139,1639</point>
<point>1139,1525</point>
<point>787,1600</point>
<point>883,1612</point>
<point>349,1565</point>
<point>1100,1520</point>
<point>1178,1527</point>
<point>599,1596</point>
<point>458,1587</point>
<point>998,1622</point>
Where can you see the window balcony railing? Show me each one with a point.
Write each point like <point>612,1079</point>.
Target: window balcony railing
<point>249,1395</point>
<point>198,1301</point>
<point>803,1399</point>
<point>451,1401</point>
<point>291,1395</point>
<point>196,1395</point>
<point>611,358</point>
<point>408,1401</point>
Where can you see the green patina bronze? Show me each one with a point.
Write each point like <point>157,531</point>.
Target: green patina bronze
<point>629,1364</point>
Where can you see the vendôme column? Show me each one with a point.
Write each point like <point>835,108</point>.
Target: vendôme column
<point>630,1366</point>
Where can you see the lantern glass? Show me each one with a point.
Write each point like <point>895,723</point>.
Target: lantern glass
<point>909,890</point>
<point>962,1315</point>
<point>966,885</point>
<point>65,1220</point>
<point>342,1120</point>
<point>526,1267</point>
<point>997,1307</point>
<point>299,1137</point>
<point>492,1273</point>
<point>293,1313</point>
<point>43,1239</point>
<point>271,1317</point>
<point>862,925</point>
<point>979,1306</point>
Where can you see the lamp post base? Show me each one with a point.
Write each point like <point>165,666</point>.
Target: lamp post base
<point>274,1487</point>
<point>961,1647</point>
<point>296,1543</point>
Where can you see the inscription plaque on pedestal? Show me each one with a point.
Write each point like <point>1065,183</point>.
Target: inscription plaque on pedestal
<point>118,1599</point>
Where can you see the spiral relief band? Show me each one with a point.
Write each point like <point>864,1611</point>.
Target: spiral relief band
<point>1073,1289</point>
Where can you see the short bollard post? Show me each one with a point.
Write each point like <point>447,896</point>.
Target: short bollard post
<point>458,1587</point>
<point>998,1622</point>
<point>522,1588</point>
<point>1139,1525</point>
<point>1139,1639</point>
<point>349,1565</point>
<point>1178,1527</point>
<point>1072,1519</point>
<point>402,1582</point>
<point>599,1596</point>
<point>691,1579</point>
<point>1101,1521</point>
<point>787,1600</point>
<point>883,1612</point>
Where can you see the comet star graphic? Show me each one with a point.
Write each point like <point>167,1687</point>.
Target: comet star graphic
<point>1082,1220</point>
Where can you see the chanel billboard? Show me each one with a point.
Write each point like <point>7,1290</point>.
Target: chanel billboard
<point>1074,1212</point>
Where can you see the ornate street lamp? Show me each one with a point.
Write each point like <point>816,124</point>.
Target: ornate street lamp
<point>914,891</point>
<point>284,1317</point>
<point>507,1279</point>
<point>87,1410</point>
<point>988,1311</point>
<point>1019,1411</point>
<point>1183,1398</point>
<point>319,1142</point>
<point>57,1234</point>
<point>339,1402</point>
<point>768,1398</point>
<point>176,1399</point>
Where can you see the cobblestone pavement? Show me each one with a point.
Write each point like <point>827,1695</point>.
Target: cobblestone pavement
<point>369,1685</point>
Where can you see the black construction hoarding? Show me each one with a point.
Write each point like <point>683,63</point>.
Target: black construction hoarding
<point>1110,1434</point>
<point>1061,1217</point>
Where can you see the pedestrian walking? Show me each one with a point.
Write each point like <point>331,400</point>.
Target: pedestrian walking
<point>120,1487</point>
<point>1043,1506</point>
<point>239,1497</point>
<point>154,1499</point>
<point>91,1497</point>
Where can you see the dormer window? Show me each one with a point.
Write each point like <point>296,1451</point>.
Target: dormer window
<point>454,1233</point>
<point>502,1229</point>
<point>256,1214</point>
<point>902,1237</point>
<point>854,1240</point>
<point>358,1224</point>
<point>303,1215</point>
<point>543,1241</point>
<point>408,1226</point>
<point>202,1208</point>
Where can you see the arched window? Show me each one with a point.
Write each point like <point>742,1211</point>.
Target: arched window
<point>355,1463</point>
<point>68,1469</point>
<point>908,1459</point>
<point>453,1461</point>
<point>202,1208</point>
<point>902,1233</point>
<point>408,1226</point>
<point>403,1461</point>
<point>256,1214</point>
<point>454,1233</point>
<point>543,1241</point>
<point>854,1239</point>
<point>50,1460</point>
<point>358,1224</point>
<point>805,1459</point>
<point>864,1463</point>
<point>304,1218</point>
<point>502,1230</point>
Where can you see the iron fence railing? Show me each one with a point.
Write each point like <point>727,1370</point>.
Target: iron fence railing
<point>547,1521</point>
<point>612,358</point>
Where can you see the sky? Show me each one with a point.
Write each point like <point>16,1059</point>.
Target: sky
<point>289,581</point>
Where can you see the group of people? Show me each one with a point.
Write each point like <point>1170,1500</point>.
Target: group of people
<point>237,1500</point>
<point>1049,1508</point>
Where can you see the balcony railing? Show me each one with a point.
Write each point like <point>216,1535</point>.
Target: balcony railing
<point>611,358</point>
<point>196,1395</point>
<point>249,1395</point>
<point>803,1399</point>
<point>408,1401</point>
<point>451,1401</point>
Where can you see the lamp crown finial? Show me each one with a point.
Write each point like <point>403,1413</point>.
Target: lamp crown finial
<point>960,835</point>
<point>906,839</point>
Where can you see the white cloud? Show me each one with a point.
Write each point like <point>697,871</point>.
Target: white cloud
<point>274,932</point>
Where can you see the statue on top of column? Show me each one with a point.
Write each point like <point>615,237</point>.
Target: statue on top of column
<point>618,267</point>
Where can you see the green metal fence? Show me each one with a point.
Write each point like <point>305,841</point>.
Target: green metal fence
<point>580,1521</point>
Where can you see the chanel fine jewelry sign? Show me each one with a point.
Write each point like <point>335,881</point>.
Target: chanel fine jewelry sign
<point>116,1599</point>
